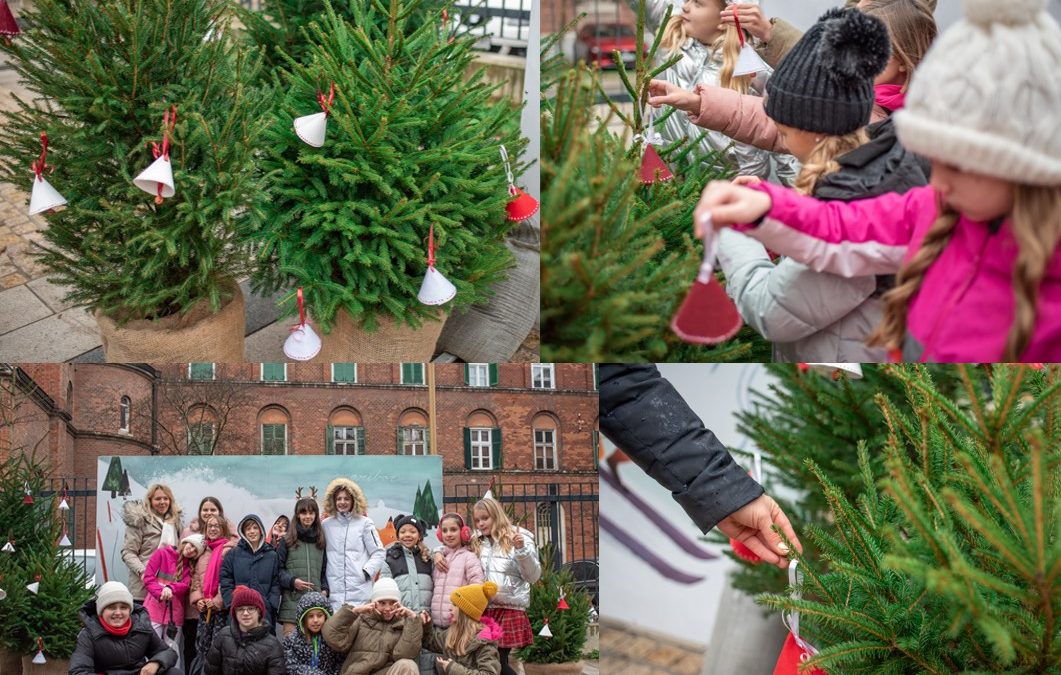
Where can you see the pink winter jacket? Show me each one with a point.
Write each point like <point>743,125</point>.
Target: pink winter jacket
<point>159,573</point>
<point>464,569</point>
<point>743,117</point>
<point>964,308</point>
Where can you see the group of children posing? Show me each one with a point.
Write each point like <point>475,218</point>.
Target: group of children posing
<point>345,603</point>
<point>925,218</point>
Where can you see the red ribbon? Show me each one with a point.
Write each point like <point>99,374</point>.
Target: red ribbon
<point>40,643</point>
<point>445,28</point>
<point>167,128</point>
<point>301,312</point>
<point>326,104</point>
<point>40,166</point>
<point>740,33</point>
<point>431,247</point>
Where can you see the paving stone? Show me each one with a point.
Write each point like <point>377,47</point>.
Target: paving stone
<point>51,294</point>
<point>56,338</point>
<point>12,280</point>
<point>19,307</point>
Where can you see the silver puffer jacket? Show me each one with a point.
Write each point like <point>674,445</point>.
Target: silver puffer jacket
<point>700,66</point>
<point>513,572</point>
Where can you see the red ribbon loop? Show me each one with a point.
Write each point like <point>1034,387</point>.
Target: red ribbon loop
<point>326,104</point>
<point>301,312</point>
<point>40,166</point>
<point>431,247</point>
<point>740,33</point>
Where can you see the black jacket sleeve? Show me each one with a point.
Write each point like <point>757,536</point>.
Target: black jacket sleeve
<point>645,416</point>
<point>83,660</point>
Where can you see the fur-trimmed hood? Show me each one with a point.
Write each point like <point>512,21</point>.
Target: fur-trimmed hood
<point>360,502</point>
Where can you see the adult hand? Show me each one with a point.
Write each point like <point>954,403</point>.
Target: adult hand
<point>442,664</point>
<point>440,562</point>
<point>150,668</point>
<point>750,525</point>
<point>751,19</point>
<point>661,92</point>
<point>728,204</point>
<point>301,585</point>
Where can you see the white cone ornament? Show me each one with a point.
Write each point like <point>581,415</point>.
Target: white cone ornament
<point>748,62</point>
<point>157,179</point>
<point>303,343</point>
<point>489,494</point>
<point>545,632</point>
<point>34,587</point>
<point>834,370</point>
<point>63,505</point>
<point>39,659</point>
<point>311,128</point>
<point>43,197</point>
<point>9,547</point>
<point>65,541</point>
<point>435,289</point>
<point>3,594</point>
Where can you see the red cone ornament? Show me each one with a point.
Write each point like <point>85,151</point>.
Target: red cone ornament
<point>8,25</point>
<point>652,167</point>
<point>707,316</point>
<point>562,604</point>
<point>28,496</point>
<point>522,206</point>
<point>792,655</point>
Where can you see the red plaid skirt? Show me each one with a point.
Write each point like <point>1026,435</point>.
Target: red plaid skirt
<point>515,627</point>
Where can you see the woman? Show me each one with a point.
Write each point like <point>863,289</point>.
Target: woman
<point>150,524</point>
<point>118,638</point>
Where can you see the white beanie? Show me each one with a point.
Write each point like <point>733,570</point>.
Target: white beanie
<point>110,593</point>
<point>197,540</point>
<point>987,96</point>
<point>386,589</point>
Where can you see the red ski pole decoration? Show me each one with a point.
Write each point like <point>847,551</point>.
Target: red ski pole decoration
<point>707,316</point>
<point>522,206</point>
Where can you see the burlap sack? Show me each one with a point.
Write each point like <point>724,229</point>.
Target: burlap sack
<point>10,662</point>
<point>492,332</point>
<point>391,342</point>
<point>50,667</point>
<point>199,336</point>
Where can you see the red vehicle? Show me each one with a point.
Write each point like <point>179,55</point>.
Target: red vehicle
<point>597,42</point>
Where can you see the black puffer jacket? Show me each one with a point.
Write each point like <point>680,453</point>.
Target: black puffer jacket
<point>299,653</point>
<point>259,570</point>
<point>649,420</point>
<point>100,652</point>
<point>256,652</point>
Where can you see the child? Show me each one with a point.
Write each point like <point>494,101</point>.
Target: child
<point>253,563</point>
<point>354,549</point>
<point>510,560</point>
<point>278,531</point>
<point>305,651</point>
<point>247,644</point>
<point>709,54</point>
<point>380,637</point>
<point>469,645</point>
<point>205,595</point>
<point>408,562</point>
<point>979,278</point>
<point>167,577</point>
<point>457,565</point>
<point>118,637</point>
<point>303,563</point>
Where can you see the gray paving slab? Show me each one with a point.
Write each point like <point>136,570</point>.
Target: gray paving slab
<point>58,337</point>
<point>51,294</point>
<point>19,307</point>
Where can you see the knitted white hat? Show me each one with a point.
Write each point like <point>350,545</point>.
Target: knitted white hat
<point>987,96</point>
<point>110,593</point>
<point>386,588</point>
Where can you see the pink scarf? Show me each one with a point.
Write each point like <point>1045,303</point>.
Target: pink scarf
<point>212,578</point>
<point>889,96</point>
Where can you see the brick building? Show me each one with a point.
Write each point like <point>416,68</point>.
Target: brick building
<point>530,427</point>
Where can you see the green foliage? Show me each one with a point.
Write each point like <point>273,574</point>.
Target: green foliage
<point>35,529</point>
<point>950,563</point>
<point>411,142</point>
<point>102,74</point>
<point>568,626</point>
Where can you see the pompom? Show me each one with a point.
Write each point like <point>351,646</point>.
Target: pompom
<point>986,12</point>
<point>854,46</point>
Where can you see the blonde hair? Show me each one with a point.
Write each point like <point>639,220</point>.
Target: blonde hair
<point>502,531</point>
<point>911,30</point>
<point>674,36</point>
<point>171,515</point>
<point>425,553</point>
<point>822,159</point>
<point>1036,225</point>
<point>460,633</point>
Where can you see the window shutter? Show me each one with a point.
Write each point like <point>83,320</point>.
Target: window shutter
<point>399,451</point>
<point>495,438</point>
<point>493,374</point>
<point>360,440</point>
<point>406,371</point>
<point>596,449</point>
<point>467,448</point>
<point>467,376</point>
<point>427,441</point>
<point>329,440</point>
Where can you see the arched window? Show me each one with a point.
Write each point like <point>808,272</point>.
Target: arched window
<point>546,432</point>
<point>274,422</point>
<point>123,414</point>
<point>413,433</point>
<point>345,434</point>
<point>482,442</point>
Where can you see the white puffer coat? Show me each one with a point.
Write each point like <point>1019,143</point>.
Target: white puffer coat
<point>513,572</point>
<point>354,550</point>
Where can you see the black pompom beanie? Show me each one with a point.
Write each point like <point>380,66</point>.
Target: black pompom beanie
<point>825,83</point>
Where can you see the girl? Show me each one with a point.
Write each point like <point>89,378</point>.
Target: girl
<point>253,563</point>
<point>118,637</point>
<point>709,54</point>
<point>408,562</point>
<point>381,637</point>
<point>304,650</point>
<point>979,278</point>
<point>510,560</point>
<point>167,578</point>
<point>354,550</point>
<point>278,530</point>
<point>469,645</point>
<point>247,645</point>
<point>149,524</point>
<point>303,563</point>
<point>209,507</point>
<point>205,595</point>
<point>457,565</point>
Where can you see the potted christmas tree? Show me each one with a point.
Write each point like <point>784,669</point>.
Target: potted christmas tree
<point>559,614</point>
<point>152,131</point>
<point>385,167</point>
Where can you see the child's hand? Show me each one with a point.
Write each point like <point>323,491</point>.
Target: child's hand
<point>728,204</point>
<point>303,585</point>
<point>751,19</point>
<point>747,180</point>
<point>167,594</point>
<point>518,540</point>
<point>442,664</point>
<point>661,92</point>
<point>425,618</point>
<point>440,562</point>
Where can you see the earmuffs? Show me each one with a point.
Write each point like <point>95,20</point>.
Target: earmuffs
<point>466,532</point>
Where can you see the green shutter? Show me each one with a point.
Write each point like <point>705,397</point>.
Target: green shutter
<point>596,449</point>
<point>467,448</point>
<point>493,374</point>
<point>407,373</point>
<point>360,440</point>
<point>344,372</point>
<point>427,440</point>
<point>419,369</point>
<point>272,439</point>
<point>329,440</point>
<point>399,440</point>
<point>272,372</point>
<point>596,376</point>
<point>495,438</point>
<point>467,376</point>
<point>201,371</point>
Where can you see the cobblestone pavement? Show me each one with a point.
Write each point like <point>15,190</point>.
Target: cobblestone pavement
<point>631,651</point>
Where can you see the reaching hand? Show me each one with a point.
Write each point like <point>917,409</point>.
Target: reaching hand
<point>150,668</point>
<point>301,585</point>
<point>747,180</point>
<point>440,562</point>
<point>751,524</point>
<point>518,540</point>
<point>728,204</point>
<point>442,664</point>
<point>661,92</point>
<point>751,19</point>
